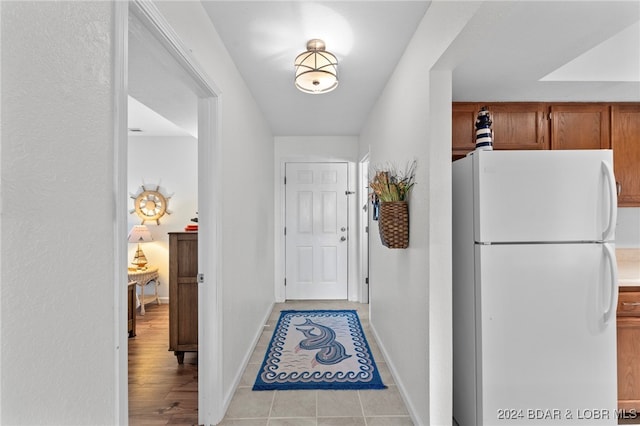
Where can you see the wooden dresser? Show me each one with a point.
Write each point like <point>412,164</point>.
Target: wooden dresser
<point>183,293</point>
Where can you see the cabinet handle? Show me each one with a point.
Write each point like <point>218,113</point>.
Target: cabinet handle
<point>630,303</point>
<point>618,187</point>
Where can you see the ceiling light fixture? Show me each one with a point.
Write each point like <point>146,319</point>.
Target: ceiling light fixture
<point>316,69</point>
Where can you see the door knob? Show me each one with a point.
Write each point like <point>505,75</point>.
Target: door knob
<point>343,238</point>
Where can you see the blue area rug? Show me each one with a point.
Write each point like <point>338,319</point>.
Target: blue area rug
<point>318,350</point>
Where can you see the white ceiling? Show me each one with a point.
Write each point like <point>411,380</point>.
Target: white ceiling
<point>161,102</point>
<point>510,51</point>
<point>524,42</point>
<point>143,121</point>
<point>264,37</point>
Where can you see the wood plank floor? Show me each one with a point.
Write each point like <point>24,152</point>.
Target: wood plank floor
<point>161,392</point>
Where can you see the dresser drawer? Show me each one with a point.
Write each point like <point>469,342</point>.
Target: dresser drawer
<point>629,303</point>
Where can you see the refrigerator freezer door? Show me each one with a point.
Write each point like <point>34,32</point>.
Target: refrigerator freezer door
<point>544,196</point>
<point>546,350</point>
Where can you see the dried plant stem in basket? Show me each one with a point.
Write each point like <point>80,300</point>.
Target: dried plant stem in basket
<point>392,187</point>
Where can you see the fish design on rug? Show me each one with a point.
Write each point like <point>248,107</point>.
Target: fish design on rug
<point>330,352</point>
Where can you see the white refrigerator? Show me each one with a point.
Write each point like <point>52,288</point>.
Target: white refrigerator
<point>534,288</point>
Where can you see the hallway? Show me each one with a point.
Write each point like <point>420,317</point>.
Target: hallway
<point>316,408</point>
<point>162,392</point>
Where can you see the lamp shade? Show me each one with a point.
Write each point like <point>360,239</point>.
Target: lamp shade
<point>139,234</point>
<point>316,69</point>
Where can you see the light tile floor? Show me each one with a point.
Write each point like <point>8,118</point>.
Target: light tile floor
<point>322,407</point>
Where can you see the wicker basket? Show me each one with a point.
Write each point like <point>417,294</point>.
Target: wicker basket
<point>393,224</point>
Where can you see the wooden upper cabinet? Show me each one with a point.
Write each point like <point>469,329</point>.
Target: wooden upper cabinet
<point>625,141</point>
<point>556,125</point>
<point>463,136</point>
<point>580,126</point>
<point>521,125</point>
<point>515,125</point>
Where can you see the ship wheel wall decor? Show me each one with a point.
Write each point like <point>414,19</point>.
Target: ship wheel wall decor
<point>150,204</point>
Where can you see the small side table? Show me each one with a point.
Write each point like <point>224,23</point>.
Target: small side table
<point>142,278</point>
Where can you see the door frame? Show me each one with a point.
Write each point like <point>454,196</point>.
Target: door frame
<point>364,215</point>
<point>210,395</point>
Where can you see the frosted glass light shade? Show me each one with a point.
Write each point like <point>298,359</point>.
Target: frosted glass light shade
<point>316,69</point>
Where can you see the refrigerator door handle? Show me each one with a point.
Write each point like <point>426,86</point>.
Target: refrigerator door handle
<point>613,202</point>
<point>613,296</point>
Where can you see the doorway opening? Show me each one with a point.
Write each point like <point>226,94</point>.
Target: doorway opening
<point>141,15</point>
<point>162,177</point>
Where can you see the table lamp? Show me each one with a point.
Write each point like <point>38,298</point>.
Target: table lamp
<point>140,234</point>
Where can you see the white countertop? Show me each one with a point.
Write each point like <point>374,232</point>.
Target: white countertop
<point>628,266</point>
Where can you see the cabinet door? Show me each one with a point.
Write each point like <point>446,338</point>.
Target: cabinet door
<point>515,125</point>
<point>580,126</point>
<point>629,363</point>
<point>183,292</point>
<point>521,125</point>
<point>625,141</point>
<point>629,349</point>
<point>463,118</point>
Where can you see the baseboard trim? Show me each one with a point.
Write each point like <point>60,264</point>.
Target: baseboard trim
<point>245,362</point>
<point>394,373</point>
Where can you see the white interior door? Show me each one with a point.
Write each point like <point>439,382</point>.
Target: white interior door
<point>316,237</point>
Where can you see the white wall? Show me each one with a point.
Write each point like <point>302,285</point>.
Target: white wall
<point>171,162</point>
<point>57,224</point>
<point>410,290</point>
<point>247,212</point>
<point>315,148</point>
<point>57,284</point>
